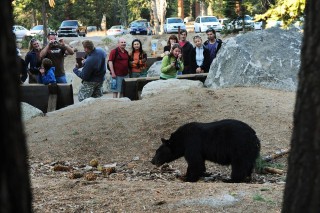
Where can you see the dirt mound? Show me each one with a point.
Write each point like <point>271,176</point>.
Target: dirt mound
<point>127,133</point>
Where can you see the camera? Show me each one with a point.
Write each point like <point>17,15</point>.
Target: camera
<point>54,44</point>
<point>177,65</point>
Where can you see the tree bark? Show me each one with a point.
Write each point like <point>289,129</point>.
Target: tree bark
<point>155,16</point>
<point>180,9</point>
<point>45,23</point>
<point>302,190</point>
<point>15,193</point>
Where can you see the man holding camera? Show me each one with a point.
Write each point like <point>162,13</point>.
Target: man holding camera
<point>93,71</point>
<point>55,51</point>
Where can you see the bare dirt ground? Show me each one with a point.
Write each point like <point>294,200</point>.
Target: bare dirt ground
<point>122,137</point>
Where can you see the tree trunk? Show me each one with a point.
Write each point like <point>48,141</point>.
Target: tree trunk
<point>44,20</point>
<point>155,16</point>
<point>210,10</point>
<point>15,193</point>
<point>197,9</point>
<point>180,9</point>
<point>191,8</point>
<point>302,191</point>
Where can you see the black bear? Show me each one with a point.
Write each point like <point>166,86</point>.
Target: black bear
<point>226,142</point>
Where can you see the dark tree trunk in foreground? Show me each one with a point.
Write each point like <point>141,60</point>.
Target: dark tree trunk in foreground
<point>302,191</point>
<point>15,193</point>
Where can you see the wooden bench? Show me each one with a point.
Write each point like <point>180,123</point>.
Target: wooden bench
<point>132,86</point>
<point>47,98</point>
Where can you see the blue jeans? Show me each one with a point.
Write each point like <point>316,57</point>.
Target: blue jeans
<point>61,79</point>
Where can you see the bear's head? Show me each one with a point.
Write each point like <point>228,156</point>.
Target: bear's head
<point>165,153</point>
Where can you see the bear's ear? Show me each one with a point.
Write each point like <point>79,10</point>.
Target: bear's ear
<point>164,141</point>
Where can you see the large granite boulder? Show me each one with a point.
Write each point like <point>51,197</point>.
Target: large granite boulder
<point>268,58</point>
<point>154,88</point>
<point>155,69</point>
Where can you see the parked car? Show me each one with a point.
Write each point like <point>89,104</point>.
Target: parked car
<point>224,22</point>
<point>20,31</point>
<point>138,28</point>
<point>172,25</point>
<point>38,30</point>
<point>237,23</point>
<point>258,25</point>
<point>72,28</point>
<point>202,23</point>
<point>91,28</point>
<point>117,30</point>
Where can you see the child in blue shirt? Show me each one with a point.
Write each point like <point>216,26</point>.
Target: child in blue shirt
<point>47,72</point>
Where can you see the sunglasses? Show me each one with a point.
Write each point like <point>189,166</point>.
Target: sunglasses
<point>33,40</point>
<point>52,33</point>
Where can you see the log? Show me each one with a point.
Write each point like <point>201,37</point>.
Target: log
<point>278,154</point>
<point>273,170</point>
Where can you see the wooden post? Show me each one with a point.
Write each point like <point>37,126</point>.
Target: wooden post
<point>52,101</point>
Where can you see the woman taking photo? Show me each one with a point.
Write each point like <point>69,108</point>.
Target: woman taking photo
<point>172,64</point>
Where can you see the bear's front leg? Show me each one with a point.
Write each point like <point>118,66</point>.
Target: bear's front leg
<point>196,168</point>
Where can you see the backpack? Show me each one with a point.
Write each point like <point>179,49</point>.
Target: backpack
<point>115,57</point>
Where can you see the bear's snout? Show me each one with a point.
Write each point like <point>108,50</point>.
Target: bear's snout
<point>156,162</point>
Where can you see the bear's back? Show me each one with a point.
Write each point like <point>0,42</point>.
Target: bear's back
<point>218,141</point>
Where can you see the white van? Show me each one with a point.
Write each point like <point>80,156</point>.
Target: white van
<point>202,23</point>
<point>172,25</point>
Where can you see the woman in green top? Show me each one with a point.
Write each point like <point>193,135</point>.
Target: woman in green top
<point>172,63</point>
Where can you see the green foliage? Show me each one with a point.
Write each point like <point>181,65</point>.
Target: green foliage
<point>107,41</point>
<point>258,197</point>
<point>261,164</point>
<point>90,12</point>
<point>229,9</point>
<point>286,10</point>
<point>26,40</point>
<point>139,9</point>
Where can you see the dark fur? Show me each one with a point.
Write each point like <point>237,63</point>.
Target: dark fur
<point>226,142</point>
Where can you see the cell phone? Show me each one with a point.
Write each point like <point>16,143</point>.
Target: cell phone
<point>79,57</point>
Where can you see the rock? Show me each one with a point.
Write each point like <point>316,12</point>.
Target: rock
<point>94,163</point>
<point>172,85</point>
<point>268,58</point>
<point>90,176</point>
<point>29,111</point>
<point>155,69</point>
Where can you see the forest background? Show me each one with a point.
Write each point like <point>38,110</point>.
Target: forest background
<point>105,13</point>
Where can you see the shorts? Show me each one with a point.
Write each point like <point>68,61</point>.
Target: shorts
<point>119,83</point>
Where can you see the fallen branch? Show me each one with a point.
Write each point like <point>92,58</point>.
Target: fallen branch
<point>273,170</point>
<point>278,154</point>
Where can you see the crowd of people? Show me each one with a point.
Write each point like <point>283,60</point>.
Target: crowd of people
<point>46,65</point>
